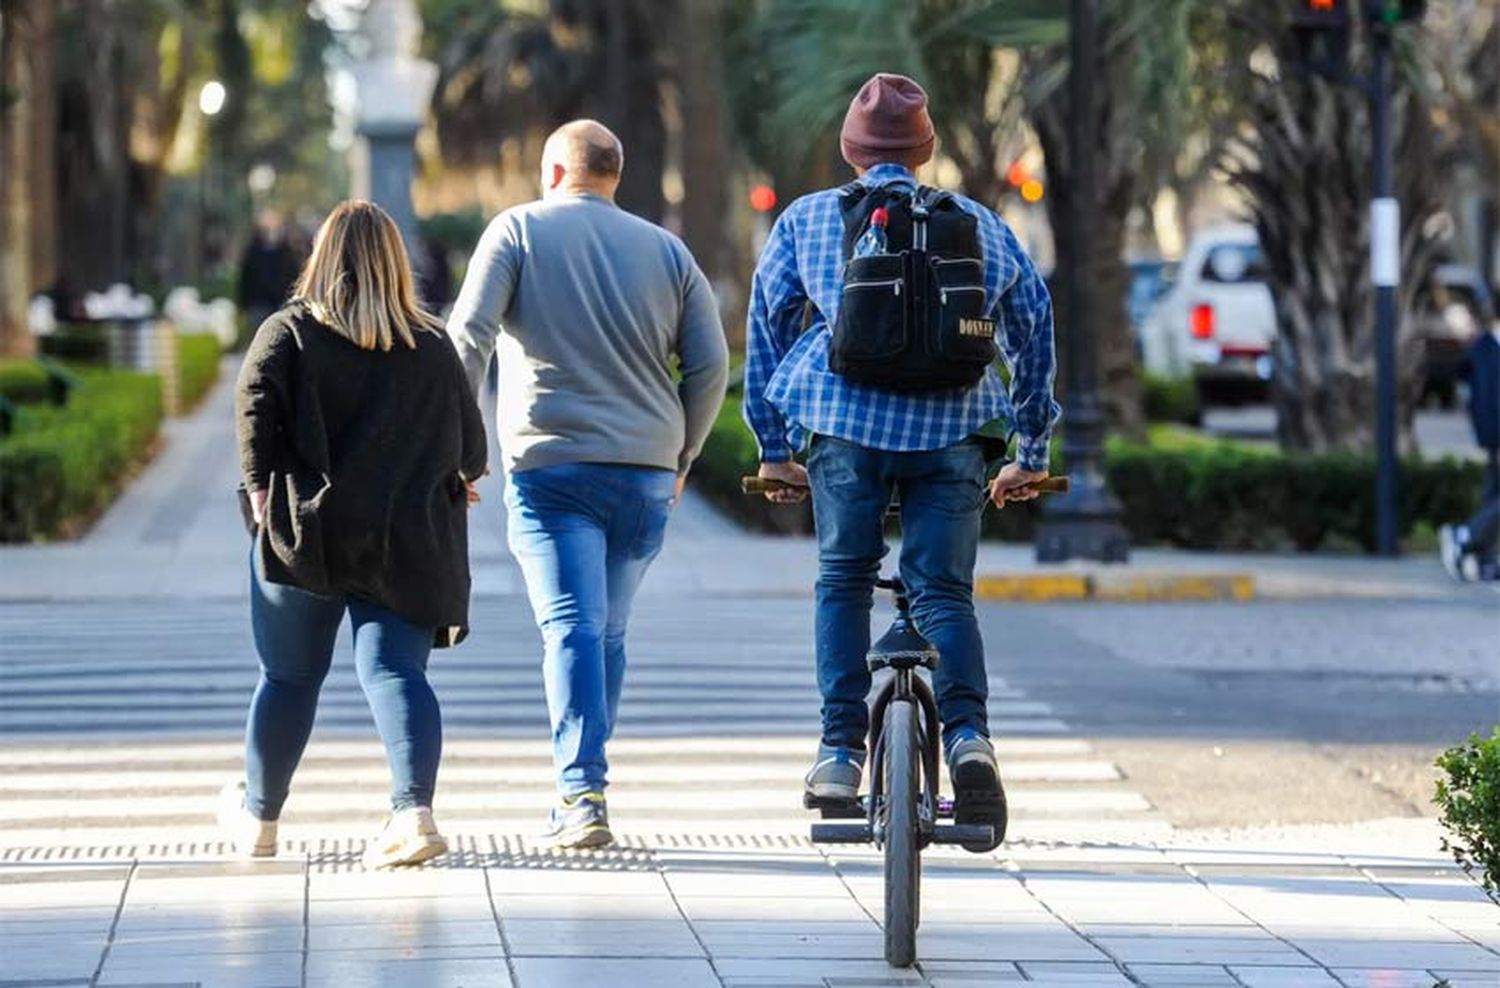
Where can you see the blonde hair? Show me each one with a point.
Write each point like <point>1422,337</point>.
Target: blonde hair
<point>358,281</point>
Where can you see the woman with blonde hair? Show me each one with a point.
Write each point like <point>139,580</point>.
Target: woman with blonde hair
<point>359,440</point>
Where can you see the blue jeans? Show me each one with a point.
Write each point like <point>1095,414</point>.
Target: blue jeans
<point>294,636</point>
<point>942,496</point>
<point>584,535</point>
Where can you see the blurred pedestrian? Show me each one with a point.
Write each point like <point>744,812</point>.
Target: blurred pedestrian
<point>612,367</point>
<point>268,268</point>
<point>1469,550</point>
<point>358,437</point>
<point>435,276</point>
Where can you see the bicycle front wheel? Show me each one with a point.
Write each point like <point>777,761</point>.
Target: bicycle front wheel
<point>903,864</point>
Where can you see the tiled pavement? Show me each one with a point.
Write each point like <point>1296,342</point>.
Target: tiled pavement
<point>738,913</point>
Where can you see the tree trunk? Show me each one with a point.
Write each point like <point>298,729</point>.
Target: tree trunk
<point>17,103</point>
<point>1117,165</point>
<point>701,83</point>
<point>42,182</point>
<point>93,163</point>
<point>1306,171</point>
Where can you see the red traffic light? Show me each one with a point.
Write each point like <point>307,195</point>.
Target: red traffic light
<point>1320,15</point>
<point>762,198</point>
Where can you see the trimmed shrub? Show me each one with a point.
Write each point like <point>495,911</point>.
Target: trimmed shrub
<point>77,343</point>
<point>1171,399</point>
<point>62,466</point>
<point>1468,794</point>
<point>24,382</point>
<point>197,368</point>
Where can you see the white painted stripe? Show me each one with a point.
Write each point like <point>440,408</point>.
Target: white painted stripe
<point>746,768</point>
<point>325,750</point>
<point>662,801</point>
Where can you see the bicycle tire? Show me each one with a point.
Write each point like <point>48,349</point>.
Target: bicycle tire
<point>903,865</point>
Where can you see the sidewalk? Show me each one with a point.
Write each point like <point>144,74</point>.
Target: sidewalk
<point>678,911</point>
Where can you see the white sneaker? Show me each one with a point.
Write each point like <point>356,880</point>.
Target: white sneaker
<point>1451,550</point>
<point>251,837</point>
<point>410,837</point>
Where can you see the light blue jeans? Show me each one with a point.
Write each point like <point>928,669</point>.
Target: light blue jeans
<point>942,496</point>
<point>584,535</point>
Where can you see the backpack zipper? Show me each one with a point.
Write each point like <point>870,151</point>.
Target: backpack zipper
<point>894,283</point>
<point>943,293</point>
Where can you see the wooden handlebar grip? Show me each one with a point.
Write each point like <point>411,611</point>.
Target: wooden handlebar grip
<point>765,485</point>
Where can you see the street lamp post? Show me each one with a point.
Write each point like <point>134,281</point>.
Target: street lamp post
<point>1085,522</point>
<point>211,100</point>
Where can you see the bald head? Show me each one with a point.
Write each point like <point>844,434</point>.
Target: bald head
<point>582,156</point>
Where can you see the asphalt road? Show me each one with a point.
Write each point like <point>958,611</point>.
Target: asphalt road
<point>1266,713</point>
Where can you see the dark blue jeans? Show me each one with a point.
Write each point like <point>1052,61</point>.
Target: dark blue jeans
<point>294,636</point>
<point>942,496</point>
<point>584,535</point>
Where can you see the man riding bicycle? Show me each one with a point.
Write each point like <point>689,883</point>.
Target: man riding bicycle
<point>893,398</point>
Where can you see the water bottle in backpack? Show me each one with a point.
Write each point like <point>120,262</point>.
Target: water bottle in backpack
<point>874,241</point>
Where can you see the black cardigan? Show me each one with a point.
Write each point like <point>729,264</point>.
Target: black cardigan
<point>364,454</point>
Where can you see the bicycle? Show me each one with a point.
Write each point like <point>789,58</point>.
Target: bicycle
<point>902,811</point>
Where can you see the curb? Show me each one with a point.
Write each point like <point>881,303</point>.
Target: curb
<point>1040,588</point>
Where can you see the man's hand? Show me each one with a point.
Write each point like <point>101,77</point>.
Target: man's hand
<point>1012,484</point>
<point>789,472</point>
<point>471,491</point>
<point>258,505</point>
<point>677,490</point>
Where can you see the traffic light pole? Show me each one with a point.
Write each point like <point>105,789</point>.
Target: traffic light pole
<point>1385,272</point>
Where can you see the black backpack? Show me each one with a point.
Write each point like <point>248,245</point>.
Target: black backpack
<point>912,318</point>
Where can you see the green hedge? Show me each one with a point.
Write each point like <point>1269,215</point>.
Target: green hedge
<point>197,368</point>
<point>24,382</point>
<point>1171,399</point>
<point>78,343</point>
<point>62,466</point>
<point>1176,490</point>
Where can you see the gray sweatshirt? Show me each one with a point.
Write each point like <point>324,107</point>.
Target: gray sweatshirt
<point>588,306</point>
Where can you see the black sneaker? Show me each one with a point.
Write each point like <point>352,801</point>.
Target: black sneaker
<point>580,822</point>
<point>978,795</point>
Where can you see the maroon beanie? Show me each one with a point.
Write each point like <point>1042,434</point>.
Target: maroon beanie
<point>887,121</point>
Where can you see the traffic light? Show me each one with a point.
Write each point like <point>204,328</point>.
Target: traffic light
<point>1320,15</point>
<point>1321,28</point>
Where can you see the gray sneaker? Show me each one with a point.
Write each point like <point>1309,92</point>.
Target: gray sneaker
<point>834,777</point>
<point>978,795</point>
<point>579,822</point>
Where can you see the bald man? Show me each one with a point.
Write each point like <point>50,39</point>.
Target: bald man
<point>588,308</point>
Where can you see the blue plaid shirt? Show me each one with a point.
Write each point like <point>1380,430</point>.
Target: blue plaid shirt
<point>790,393</point>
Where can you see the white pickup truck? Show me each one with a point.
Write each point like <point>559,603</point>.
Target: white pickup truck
<point>1217,321</point>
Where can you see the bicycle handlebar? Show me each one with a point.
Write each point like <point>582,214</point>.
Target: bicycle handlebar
<point>766,485</point>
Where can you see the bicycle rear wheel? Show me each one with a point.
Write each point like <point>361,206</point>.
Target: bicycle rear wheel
<point>903,865</point>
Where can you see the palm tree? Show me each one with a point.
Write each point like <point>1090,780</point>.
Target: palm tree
<point>19,32</point>
<point>1304,165</point>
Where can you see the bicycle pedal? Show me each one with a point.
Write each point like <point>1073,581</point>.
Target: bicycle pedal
<point>834,809</point>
